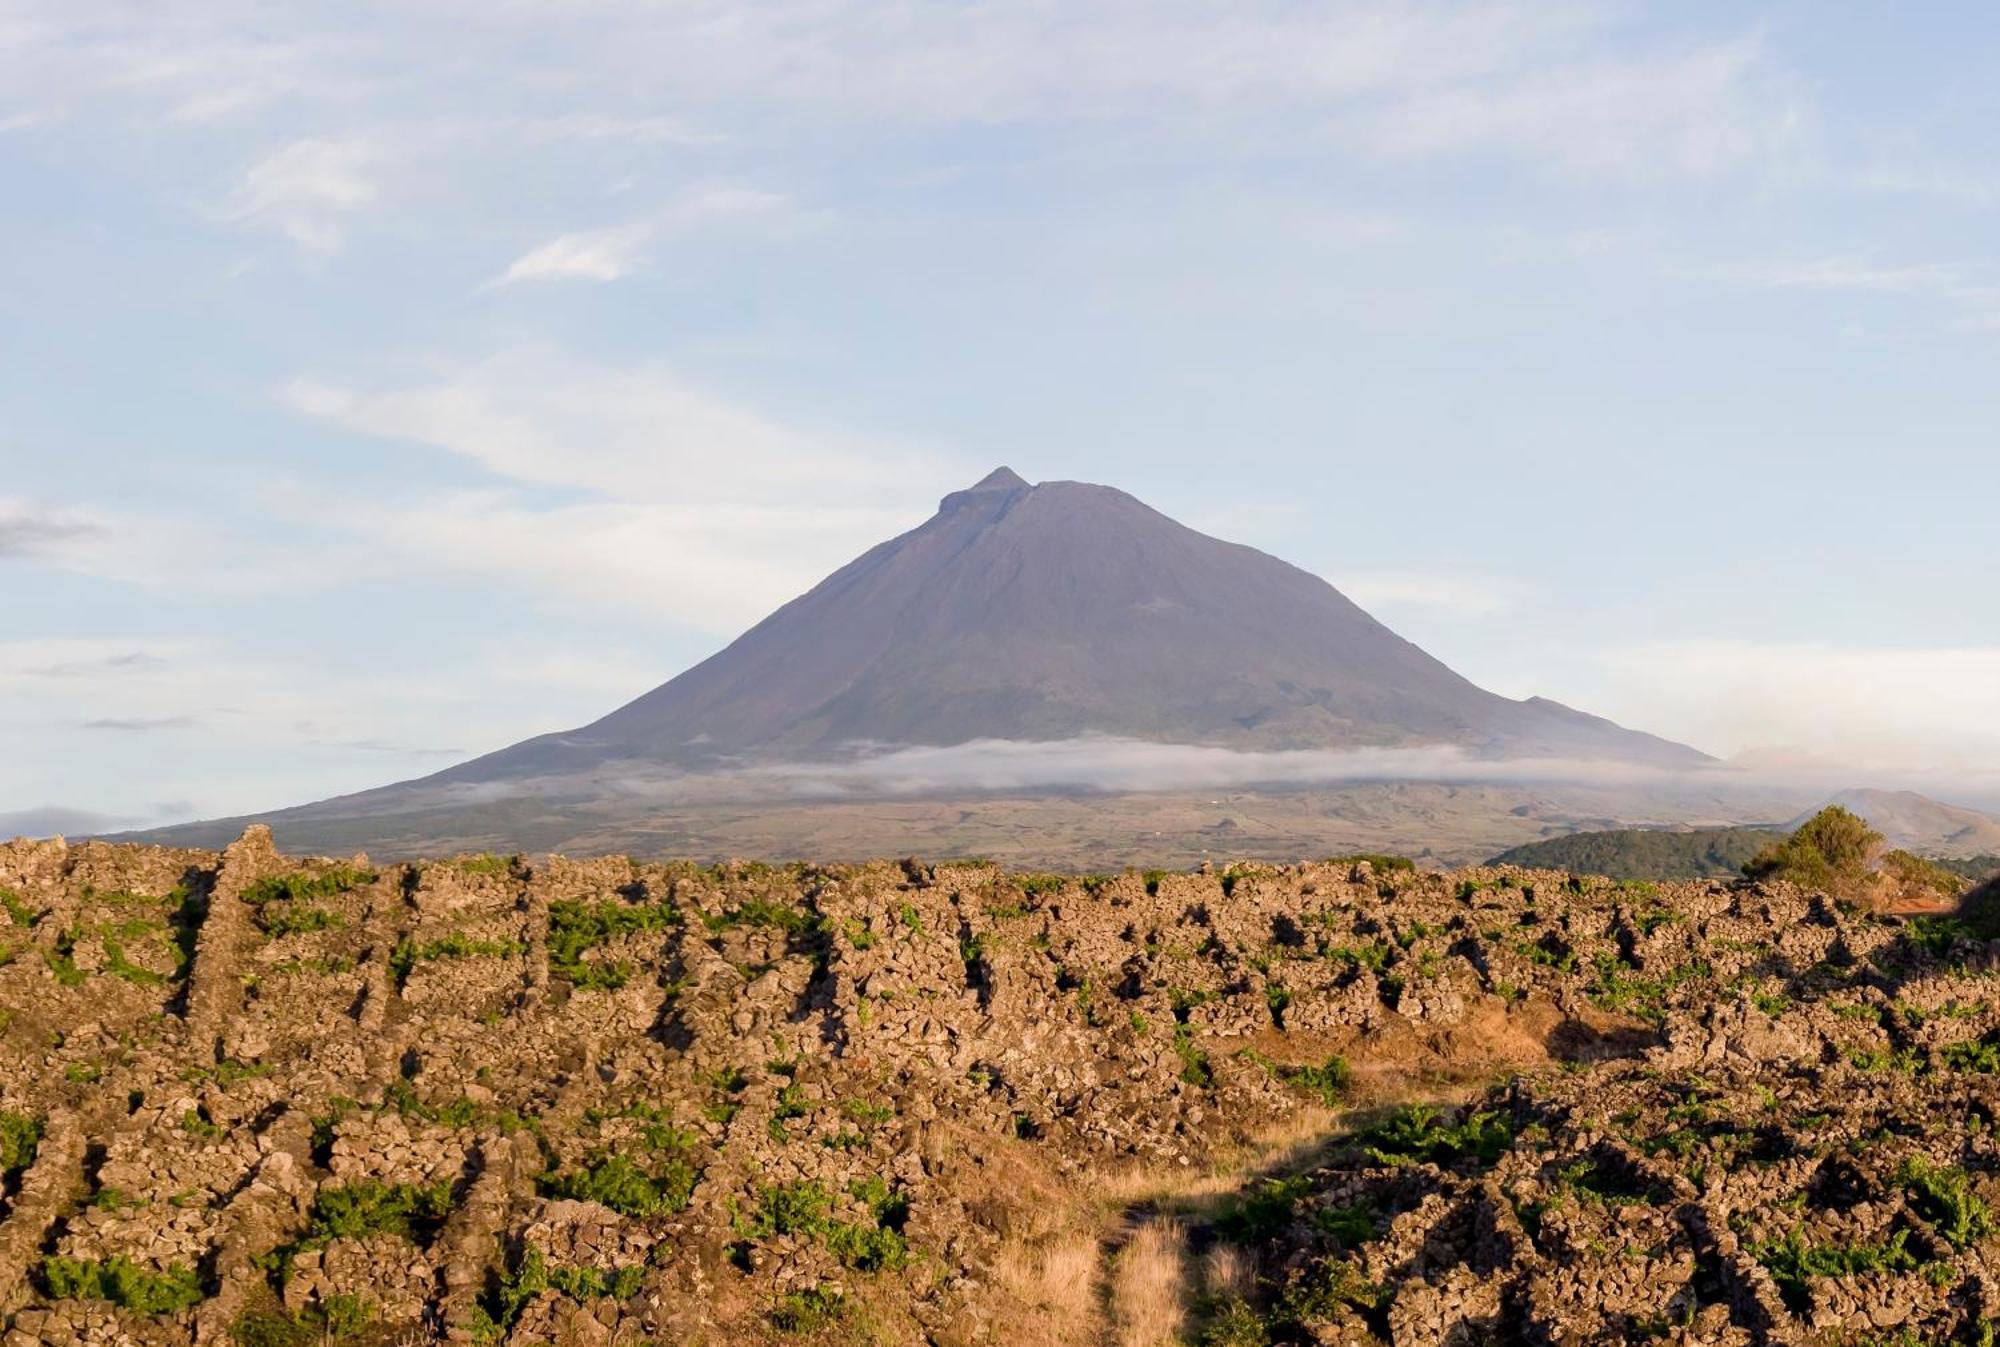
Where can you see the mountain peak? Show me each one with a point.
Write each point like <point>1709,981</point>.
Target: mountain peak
<point>1002,481</point>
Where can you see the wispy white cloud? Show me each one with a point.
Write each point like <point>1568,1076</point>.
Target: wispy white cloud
<point>1718,107</point>
<point>29,529</point>
<point>698,512</point>
<point>616,252</point>
<point>311,189</point>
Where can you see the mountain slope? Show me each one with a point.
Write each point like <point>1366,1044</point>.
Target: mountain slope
<point>1047,612</point>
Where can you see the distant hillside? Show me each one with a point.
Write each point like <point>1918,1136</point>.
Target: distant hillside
<point>1920,824</point>
<point>1646,853</point>
<point>1975,868</point>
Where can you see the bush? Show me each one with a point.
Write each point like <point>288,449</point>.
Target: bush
<point>307,884</point>
<point>20,1134</point>
<point>618,1183</point>
<point>808,1311</point>
<point>1830,851</point>
<point>1329,1080</point>
<point>576,928</point>
<point>367,1207</point>
<point>122,1282</point>
<point>1419,1133</point>
<point>1944,1195</point>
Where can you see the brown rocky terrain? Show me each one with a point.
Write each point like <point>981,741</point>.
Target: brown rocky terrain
<point>263,1100</point>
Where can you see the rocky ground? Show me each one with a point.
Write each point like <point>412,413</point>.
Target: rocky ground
<point>256,1099</point>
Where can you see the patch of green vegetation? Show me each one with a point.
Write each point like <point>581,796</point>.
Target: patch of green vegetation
<point>366,1207</point>
<point>17,909</point>
<point>501,1305</point>
<point>1373,956</point>
<point>867,1113</point>
<point>617,1182</point>
<point>61,959</point>
<point>806,1208</point>
<point>1943,1193</point>
<point>1321,1292</point>
<point>1264,1211</point>
<point>485,863</point>
<point>282,919</point>
<point>1231,1322</point>
<point>116,964</point>
<point>196,1123</point>
<point>1980,1056</point>
<point>794,921</point>
<point>458,945</point>
<point>1419,1133</point>
<point>303,885</point>
<point>1037,885</point>
<point>812,1310</point>
<point>338,1319</point>
<point>1645,852</point>
<point>122,1282</point>
<point>1195,1067</point>
<point>1619,988</point>
<point>1924,876</point>
<point>1792,1262</point>
<point>20,1135</point>
<point>577,927</point>
<point>1329,1079</point>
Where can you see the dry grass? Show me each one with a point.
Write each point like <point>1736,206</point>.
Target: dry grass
<point>1227,1272</point>
<point>1053,1289</point>
<point>1148,1290</point>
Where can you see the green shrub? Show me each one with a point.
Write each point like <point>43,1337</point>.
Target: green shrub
<point>339,1319</point>
<point>307,884</point>
<point>576,928</point>
<point>1233,1323</point>
<point>1264,1211</point>
<point>20,1134</point>
<point>1419,1133</point>
<point>458,945</point>
<point>1195,1068</point>
<point>1944,1195</point>
<point>122,1282</point>
<point>367,1207</point>
<point>1329,1080</point>
<point>617,1182</point>
<point>17,909</point>
<point>281,919</point>
<point>810,1311</point>
<point>1792,1261</point>
<point>1829,851</point>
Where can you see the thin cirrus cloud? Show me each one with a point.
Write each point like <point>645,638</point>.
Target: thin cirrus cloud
<point>30,529</point>
<point>699,512</point>
<point>614,253</point>
<point>310,189</point>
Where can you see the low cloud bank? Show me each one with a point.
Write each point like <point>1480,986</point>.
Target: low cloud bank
<point>1106,763</point>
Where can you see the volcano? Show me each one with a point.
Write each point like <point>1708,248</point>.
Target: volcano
<point>1055,612</point>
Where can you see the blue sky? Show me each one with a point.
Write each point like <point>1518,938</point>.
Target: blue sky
<point>383,383</point>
